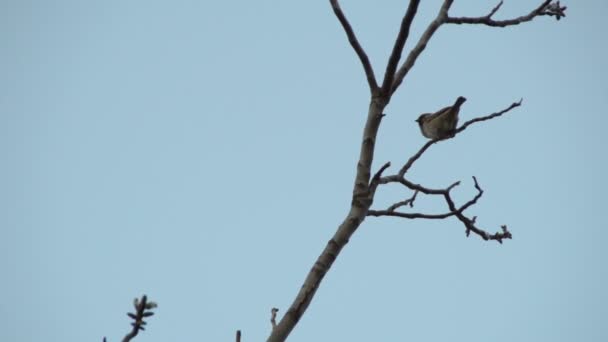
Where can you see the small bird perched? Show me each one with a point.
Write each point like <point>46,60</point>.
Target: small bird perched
<point>441,124</point>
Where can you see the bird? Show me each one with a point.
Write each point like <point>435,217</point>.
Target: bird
<point>441,124</point>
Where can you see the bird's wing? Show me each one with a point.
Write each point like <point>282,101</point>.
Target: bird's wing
<point>441,112</point>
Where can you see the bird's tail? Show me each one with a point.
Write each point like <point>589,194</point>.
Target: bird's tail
<point>459,101</point>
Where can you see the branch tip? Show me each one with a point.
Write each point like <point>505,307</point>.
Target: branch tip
<point>142,310</point>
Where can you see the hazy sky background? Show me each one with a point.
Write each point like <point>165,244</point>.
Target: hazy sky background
<point>204,152</point>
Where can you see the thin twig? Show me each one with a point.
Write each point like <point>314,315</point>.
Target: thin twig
<point>494,10</point>
<point>488,117</point>
<point>408,202</point>
<point>354,42</point>
<point>415,157</point>
<point>464,126</point>
<point>469,223</point>
<point>421,45</point>
<point>393,60</point>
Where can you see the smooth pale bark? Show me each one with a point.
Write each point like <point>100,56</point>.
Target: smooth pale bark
<point>360,204</point>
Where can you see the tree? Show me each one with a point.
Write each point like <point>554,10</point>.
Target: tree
<point>366,184</point>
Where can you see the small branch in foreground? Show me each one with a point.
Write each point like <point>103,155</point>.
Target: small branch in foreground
<point>415,157</point>
<point>546,8</point>
<point>142,310</point>
<point>354,42</point>
<point>399,178</point>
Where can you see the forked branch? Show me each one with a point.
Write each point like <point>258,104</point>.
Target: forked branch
<point>393,60</point>
<point>458,212</point>
<point>546,8</point>
<point>421,45</point>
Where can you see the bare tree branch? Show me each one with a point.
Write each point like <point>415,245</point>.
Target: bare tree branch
<point>421,45</point>
<point>352,39</point>
<point>399,178</point>
<point>415,157</point>
<point>143,309</point>
<point>470,223</point>
<point>409,215</point>
<point>454,211</point>
<point>390,211</point>
<point>464,126</point>
<point>365,185</point>
<point>545,8</point>
<point>413,186</point>
<point>408,202</point>
<point>404,31</point>
<point>488,117</point>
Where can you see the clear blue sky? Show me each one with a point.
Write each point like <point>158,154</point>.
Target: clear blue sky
<point>203,153</point>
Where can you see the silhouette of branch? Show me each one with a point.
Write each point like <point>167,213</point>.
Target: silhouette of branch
<point>399,178</point>
<point>546,8</point>
<point>352,39</point>
<point>142,310</point>
<point>421,45</point>
<point>464,126</point>
<point>391,211</point>
<point>469,223</point>
<point>408,202</point>
<point>393,60</point>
